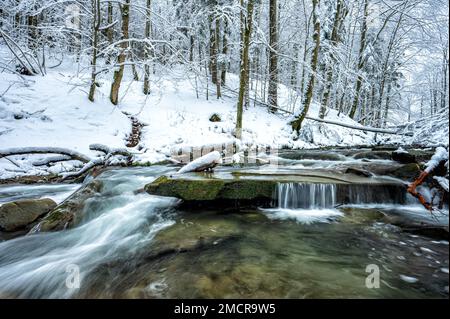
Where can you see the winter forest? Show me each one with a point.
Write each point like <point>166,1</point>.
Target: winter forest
<point>176,132</point>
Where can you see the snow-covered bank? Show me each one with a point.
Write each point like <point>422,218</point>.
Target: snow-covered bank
<point>53,111</point>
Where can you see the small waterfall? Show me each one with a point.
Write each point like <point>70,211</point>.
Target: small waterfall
<point>325,196</point>
<point>307,196</point>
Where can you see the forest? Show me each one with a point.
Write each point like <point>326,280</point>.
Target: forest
<point>159,131</point>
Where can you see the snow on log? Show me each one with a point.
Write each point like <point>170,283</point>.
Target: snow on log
<point>361,128</point>
<point>109,150</point>
<point>44,150</point>
<point>443,182</point>
<point>203,163</point>
<point>51,159</point>
<point>440,155</point>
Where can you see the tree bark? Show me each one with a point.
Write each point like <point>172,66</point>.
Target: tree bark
<point>297,122</point>
<point>147,54</point>
<point>246,34</point>
<point>273,55</point>
<point>118,75</point>
<point>338,19</point>
<point>362,47</point>
<point>95,34</point>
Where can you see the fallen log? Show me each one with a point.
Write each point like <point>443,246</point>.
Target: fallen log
<point>44,150</point>
<point>439,159</point>
<point>354,127</point>
<point>102,160</point>
<point>206,162</point>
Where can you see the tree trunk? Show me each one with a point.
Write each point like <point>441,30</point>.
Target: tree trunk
<point>95,34</point>
<point>247,31</point>
<point>110,30</point>
<point>148,28</point>
<point>297,122</point>
<point>329,68</point>
<point>273,56</point>
<point>213,47</point>
<point>224,52</point>
<point>216,50</point>
<point>118,75</point>
<point>362,47</point>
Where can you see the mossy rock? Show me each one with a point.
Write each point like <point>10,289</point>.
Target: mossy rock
<point>18,214</point>
<point>211,189</point>
<point>69,213</point>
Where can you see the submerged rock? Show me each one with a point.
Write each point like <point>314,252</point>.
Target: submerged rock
<point>377,155</point>
<point>18,214</point>
<point>311,155</point>
<point>69,213</point>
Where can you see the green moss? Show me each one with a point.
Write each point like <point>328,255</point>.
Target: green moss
<point>205,189</point>
<point>247,189</point>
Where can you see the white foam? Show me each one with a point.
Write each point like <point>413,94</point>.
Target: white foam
<point>304,216</point>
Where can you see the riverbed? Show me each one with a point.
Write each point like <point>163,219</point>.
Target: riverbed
<point>130,244</point>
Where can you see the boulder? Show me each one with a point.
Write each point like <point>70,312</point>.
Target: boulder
<point>70,212</point>
<point>19,214</point>
<point>209,189</point>
<point>403,157</point>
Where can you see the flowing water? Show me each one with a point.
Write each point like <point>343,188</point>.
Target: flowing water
<point>308,245</point>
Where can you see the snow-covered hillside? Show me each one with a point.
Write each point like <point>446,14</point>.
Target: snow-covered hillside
<point>53,111</point>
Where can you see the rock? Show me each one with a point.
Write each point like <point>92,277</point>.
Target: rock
<point>211,189</point>
<point>194,232</point>
<point>70,212</point>
<point>359,172</point>
<point>361,215</point>
<point>215,118</point>
<point>312,155</point>
<point>407,171</point>
<point>18,214</point>
<point>378,155</point>
<point>250,190</point>
<point>403,157</point>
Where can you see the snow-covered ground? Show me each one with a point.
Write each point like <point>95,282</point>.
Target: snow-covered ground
<point>54,111</point>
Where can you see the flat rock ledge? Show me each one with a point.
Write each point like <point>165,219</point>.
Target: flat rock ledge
<point>256,188</point>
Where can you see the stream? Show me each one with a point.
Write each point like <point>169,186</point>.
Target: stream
<point>306,245</point>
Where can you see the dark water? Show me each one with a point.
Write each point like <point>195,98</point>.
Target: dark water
<point>140,246</point>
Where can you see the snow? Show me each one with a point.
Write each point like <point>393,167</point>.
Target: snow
<point>53,111</point>
<point>443,182</point>
<point>209,160</point>
<point>441,154</point>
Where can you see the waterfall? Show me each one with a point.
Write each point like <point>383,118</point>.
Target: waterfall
<point>325,196</point>
<point>307,196</point>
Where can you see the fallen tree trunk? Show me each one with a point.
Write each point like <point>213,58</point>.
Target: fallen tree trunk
<point>354,127</point>
<point>102,160</point>
<point>361,128</point>
<point>437,164</point>
<point>44,150</point>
